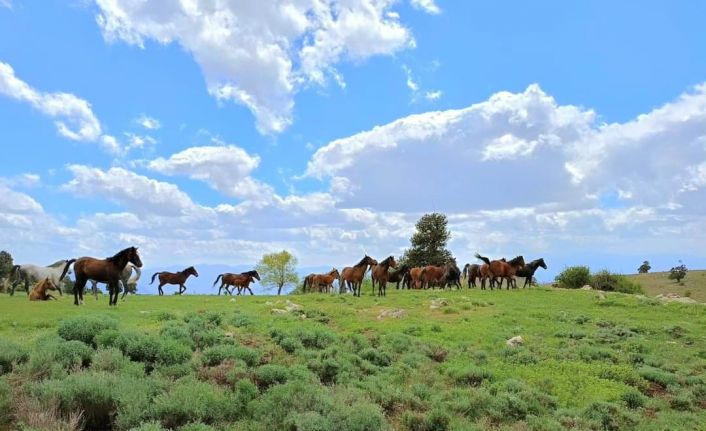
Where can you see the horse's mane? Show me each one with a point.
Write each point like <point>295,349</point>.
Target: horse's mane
<point>332,271</point>
<point>249,273</point>
<point>362,261</point>
<point>516,260</point>
<point>118,255</point>
<point>386,261</point>
<point>57,264</point>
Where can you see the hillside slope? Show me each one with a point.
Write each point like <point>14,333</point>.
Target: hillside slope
<point>694,285</point>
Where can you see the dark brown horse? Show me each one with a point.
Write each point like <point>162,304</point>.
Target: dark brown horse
<point>471,272</point>
<point>39,292</point>
<point>323,282</point>
<point>241,281</point>
<point>307,282</point>
<point>506,270</point>
<point>380,274</point>
<point>415,280</point>
<point>528,271</point>
<point>399,275</point>
<point>452,275</point>
<point>353,276</point>
<point>179,278</point>
<point>431,276</point>
<point>106,271</point>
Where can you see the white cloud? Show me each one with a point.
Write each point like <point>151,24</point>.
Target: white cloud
<point>148,122</point>
<point>413,86</point>
<point>139,141</point>
<point>17,203</point>
<point>259,54</point>
<point>6,4</point>
<point>428,6</point>
<point>433,95</point>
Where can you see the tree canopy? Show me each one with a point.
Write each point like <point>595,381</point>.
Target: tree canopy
<point>277,270</point>
<point>428,243</point>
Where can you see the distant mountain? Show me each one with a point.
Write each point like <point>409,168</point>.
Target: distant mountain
<point>203,284</point>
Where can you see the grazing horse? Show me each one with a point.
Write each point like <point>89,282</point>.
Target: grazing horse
<point>324,282</point>
<point>380,273</point>
<point>431,274</point>
<point>415,280</point>
<point>307,282</point>
<point>528,271</point>
<point>506,270</point>
<point>103,271</point>
<point>353,276</point>
<point>241,281</point>
<point>452,275</point>
<point>29,273</point>
<point>174,278</point>
<point>39,292</point>
<point>399,275</point>
<point>125,280</point>
<point>471,272</point>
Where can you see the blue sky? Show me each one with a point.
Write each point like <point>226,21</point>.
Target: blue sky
<point>563,129</point>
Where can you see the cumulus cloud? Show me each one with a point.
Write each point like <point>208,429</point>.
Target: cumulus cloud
<point>258,54</point>
<point>433,95</point>
<point>149,123</point>
<point>428,6</point>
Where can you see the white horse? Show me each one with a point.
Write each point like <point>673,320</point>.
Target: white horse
<point>125,279</point>
<point>30,273</point>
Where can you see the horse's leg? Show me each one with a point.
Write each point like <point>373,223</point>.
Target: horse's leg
<point>78,286</point>
<point>161,292</point>
<point>181,288</point>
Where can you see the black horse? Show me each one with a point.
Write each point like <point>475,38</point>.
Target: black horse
<point>472,273</point>
<point>529,269</point>
<point>398,275</point>
<point>452,275</point>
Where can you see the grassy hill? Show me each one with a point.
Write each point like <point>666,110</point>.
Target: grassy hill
<point>694,285</point>
<point>205,362</point>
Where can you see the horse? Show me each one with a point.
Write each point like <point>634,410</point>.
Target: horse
<point>125,280</point>
<point>179,278</point>
<point>353,276</point>
<point>415,281</point>
<point>471,272</point>
<point>39,292</point>
<point>106,270</point>
<point>452,275</point>
<point>399,275</point>
<point>324,281</point>
<point>241,281</point>
<point>307,282</point>
<point>30,273</point>
<point>380,273</point>
<point>528,271</point>
<point>431,274</point>
<point>506,270</point>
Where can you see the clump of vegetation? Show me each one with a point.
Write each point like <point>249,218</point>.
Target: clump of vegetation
<point>11,354</point>
<point>678,273</point>
<point>574,277</point>
<point>607,281</point>
<point>85,328</point>
<point>644,268</point>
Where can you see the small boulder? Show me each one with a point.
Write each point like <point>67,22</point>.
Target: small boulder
<point>675,297</point>
<point>587,287</point>
<point>438,303</point>
<point>279,311</point>
<point>601,296</point>
<point>515,341</point>
<point>292,306</point>
<point>396,313</point>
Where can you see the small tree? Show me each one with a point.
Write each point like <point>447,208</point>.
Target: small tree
<point>644,268</point>
<point>428,243</point>
<point>278,270</point>
<point>5,268</point>
<point>678,272</point>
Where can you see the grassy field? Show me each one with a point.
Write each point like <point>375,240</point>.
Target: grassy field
<point>694,285</point>
<point>207,362</point>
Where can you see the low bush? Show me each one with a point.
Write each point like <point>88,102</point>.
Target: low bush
<point>11,354</point>
<point>470,375</point>
<point>435,420</point>
<point>376,356</point>
<point>197,426</point>
<point>85,328</point>
<point>191,400</point>
<point>270,375</point>
<point>5,402</point>
<point>149,426</point>
<point>112,360</point>
<point>607,281</point>
<point>218,354</point>
<point>633,399</point>
<point>574,277</point>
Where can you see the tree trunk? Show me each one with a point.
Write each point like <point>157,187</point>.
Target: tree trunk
<point>279,289</point>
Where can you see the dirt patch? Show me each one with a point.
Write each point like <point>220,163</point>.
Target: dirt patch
<point>655,390</point>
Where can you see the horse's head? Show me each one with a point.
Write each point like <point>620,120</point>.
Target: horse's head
<point>393,262</point>
<point>133,256</point>
<point>255,275</point>
<point>541,263</point>
<point>334,273</point>
<point>517,262</point>
<point>369,260</point>
<point>191,270</point>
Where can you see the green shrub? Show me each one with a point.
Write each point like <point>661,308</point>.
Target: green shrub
<point>605,280</point>
<point>11,354</point>
<point>278,407</point>
<point>608,416</point>
<point>108,338</point>
<point>241,321</point>
<point>574,277</point>
<point>5,402</point>
<point>207,338</point>
<point>315,338</point>
<point>218,354</point>
<point>85,328</point>
<point>435,420</point>
<point>172,352</point>
<point>377,357</point>
<point>193,401</point>
<point>289,344</point>
<point>197,426</point>
<point>149,426</point>
<point>658,376</point>
<point>178,332</point>
<point>164,316</point>
<point>633,399</point>
<point>112,360</point>
<point>681,402</point>
<point>470,375</point>
<point>270,375</point>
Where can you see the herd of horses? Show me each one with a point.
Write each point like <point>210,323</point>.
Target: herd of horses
<point>491,273</point>
<point>116,273</point>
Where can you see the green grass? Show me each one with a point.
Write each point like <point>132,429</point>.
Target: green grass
<point>656,283</point>
<point>618,363</point>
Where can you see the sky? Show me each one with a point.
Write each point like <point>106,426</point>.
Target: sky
<point>212,132</point>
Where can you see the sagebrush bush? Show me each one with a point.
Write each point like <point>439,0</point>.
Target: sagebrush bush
<point>279,406</point>
<point>197,426</point>
<point>607,416</point>
<point>218,354</point>
<point>633,399</point>
<point>607,281</point>
<point>193,401</point>
<point>11,354</point>
<point>112,360</point>
<point>574,277</point>
<point>85,328</point>
<point>470,375</point>
<point>5,402</point>
<point>655,375</point>
<point>149,426</point>
<point>178,332</point>
<point>435,420</point>
<point>270,375</point>
<point>376,356</point>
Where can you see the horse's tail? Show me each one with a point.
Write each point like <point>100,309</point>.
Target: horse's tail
<point>138,274</point>
<point>15,271</point>
<point>306,280</point>
<point>217,278</point>
<point>153,276</point>
<point>483,258</point>
<point>66,268</point>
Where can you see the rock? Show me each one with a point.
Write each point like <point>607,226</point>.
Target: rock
<point>269,303</point>
<point>232,300</point>
<point>601,296</point>
<point>438,303</point>
<point>292,306</point>
<point>515,341</point>
<point>229,335</point>
<point>396,313</point>
<point>587,287</point>
<point>279,311</point>
<point>674,297</point>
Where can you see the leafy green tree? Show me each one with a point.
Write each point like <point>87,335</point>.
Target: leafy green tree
<point>678,272</point>
<point>5,268</point>
<point>428,243</point>
<point>644,268</point>
<point>278,269</point>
